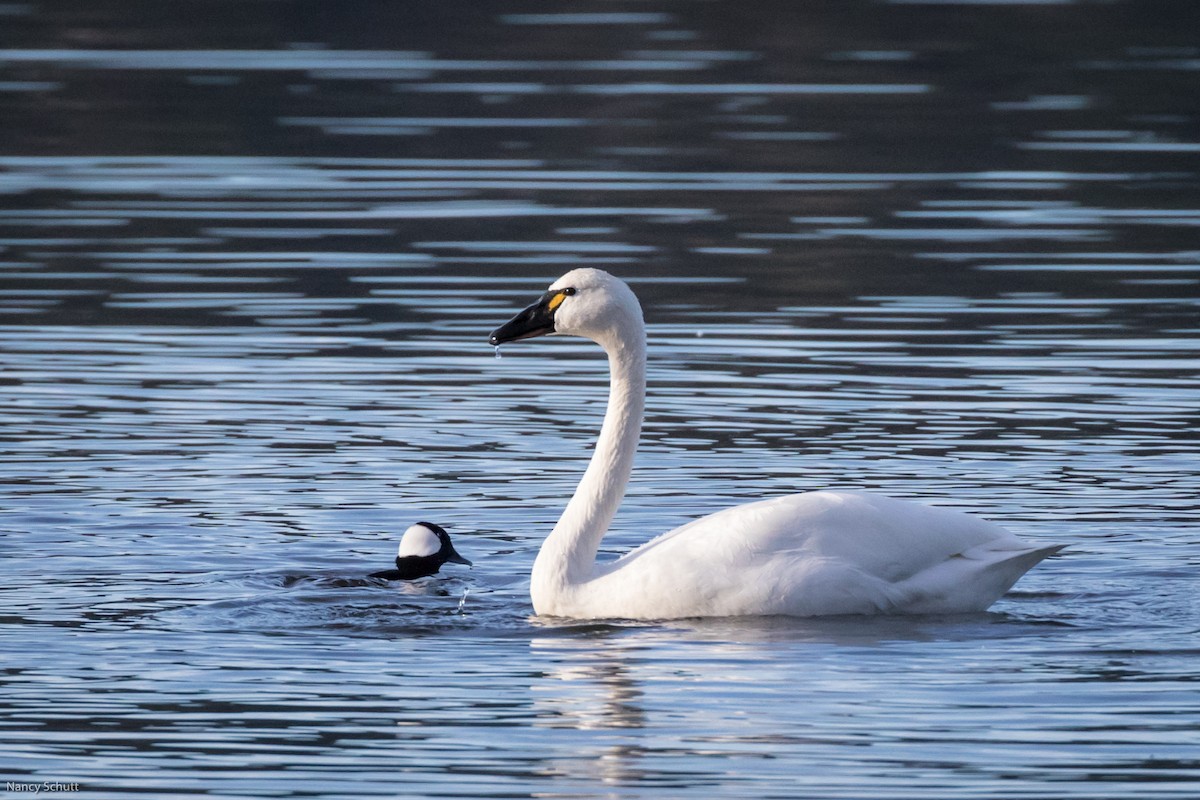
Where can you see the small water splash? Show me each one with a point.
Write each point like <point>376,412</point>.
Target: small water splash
<point>498,356</point>
<point>463,602</point>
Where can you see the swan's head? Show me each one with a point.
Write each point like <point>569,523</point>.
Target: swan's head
<point>585,302</point>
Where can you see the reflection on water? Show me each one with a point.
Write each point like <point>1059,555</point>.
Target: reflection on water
<point>248,262</point>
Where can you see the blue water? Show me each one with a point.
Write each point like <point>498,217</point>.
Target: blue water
<point>946,251</point>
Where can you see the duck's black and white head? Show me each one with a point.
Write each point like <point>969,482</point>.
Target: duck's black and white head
<point>423,549</point>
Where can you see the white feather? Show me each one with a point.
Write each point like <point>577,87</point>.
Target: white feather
<point>418,541</point>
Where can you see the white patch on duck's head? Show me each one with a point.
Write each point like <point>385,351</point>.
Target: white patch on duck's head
<point>419,540</point>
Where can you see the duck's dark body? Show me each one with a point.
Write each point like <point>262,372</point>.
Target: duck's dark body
<point>411,567</point>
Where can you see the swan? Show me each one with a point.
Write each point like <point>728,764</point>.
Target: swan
<point>810,554</point>
<point>424,547</point>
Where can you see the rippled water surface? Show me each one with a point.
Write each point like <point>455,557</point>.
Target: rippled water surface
<point>249,257</point>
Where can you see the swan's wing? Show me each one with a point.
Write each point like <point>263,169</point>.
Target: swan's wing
<point>835,552</point>
<point>892,539</point>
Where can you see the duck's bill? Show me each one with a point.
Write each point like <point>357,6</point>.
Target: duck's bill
<point>455,558</point>
<point>537,320</point>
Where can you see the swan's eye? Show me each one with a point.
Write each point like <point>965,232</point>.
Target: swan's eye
<point>559,296</point>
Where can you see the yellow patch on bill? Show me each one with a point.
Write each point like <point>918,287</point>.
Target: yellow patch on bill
<point>556,301</point>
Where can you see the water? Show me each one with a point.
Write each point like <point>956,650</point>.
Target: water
<point>945,251</point>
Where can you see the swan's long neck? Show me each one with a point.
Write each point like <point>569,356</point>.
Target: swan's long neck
<point>568,555</point>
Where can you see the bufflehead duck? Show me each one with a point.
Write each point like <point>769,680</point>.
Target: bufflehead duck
<point>423,549</point>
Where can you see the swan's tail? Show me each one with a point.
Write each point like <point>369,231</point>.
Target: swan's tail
<point>1024,561</point>
<point>974,580</point>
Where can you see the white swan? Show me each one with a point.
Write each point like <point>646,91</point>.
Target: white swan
<point>810,554</point>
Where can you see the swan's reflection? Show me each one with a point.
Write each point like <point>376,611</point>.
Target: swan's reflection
<point>586,688</point>
<point>587,684</point>
<point>626,704</point>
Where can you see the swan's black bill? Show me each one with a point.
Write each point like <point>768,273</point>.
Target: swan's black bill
<point>537,320</point>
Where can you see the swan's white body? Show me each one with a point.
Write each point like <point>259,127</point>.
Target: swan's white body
<point>811,554</point>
